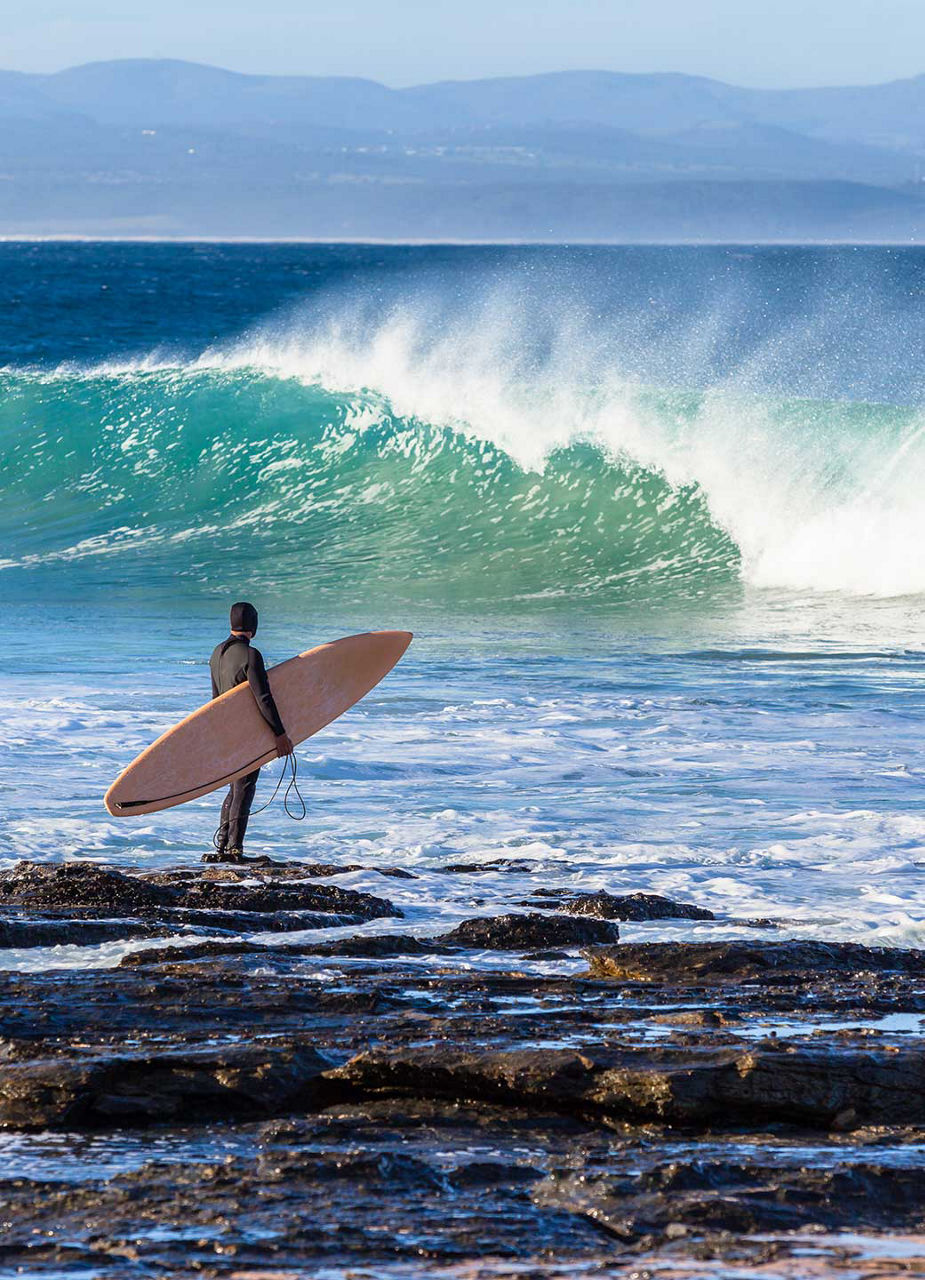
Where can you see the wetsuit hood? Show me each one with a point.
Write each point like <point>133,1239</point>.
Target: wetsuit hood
<point>243,617</point>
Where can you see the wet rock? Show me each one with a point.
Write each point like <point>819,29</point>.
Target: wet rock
<point>795,1084</point>
<point>258,921</point>
<point>350,1192</point>
<point>434,1128</point>
<point>520,865</point>
<point>535,931</point>
<point>80,884</point>
<point>189,954</point>
<point>493,1173</point>
<point>682,963</point>
<point>798,1085</point>
<point>549,1077</point>
<point>141,1088</point>
<point>373,945</point>
<point>630,906</point>
<point>393,1170</point>
<point>189,896</point>
<point>697,1018</point>
<point>680,1198</point>
<point>267,898</point>
<point>53,932</point>
<point>274,871</point>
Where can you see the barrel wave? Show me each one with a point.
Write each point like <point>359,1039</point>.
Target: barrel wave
<point>350,465</point>
<point>189,474</point>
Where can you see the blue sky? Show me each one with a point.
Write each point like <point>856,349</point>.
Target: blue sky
<point>752,42</point>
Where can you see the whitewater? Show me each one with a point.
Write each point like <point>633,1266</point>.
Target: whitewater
<point>655,517</point>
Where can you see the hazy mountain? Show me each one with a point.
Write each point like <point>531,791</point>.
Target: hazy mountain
<point>174,148</point>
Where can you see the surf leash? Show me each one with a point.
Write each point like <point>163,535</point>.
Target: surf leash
<point>290,770</point>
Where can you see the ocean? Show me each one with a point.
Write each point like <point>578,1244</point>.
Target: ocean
<point>655,516</point>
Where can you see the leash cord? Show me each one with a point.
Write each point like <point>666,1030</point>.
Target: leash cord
<point>290,769</point>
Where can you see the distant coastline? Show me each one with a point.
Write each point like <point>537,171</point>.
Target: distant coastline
<point>160,150</point>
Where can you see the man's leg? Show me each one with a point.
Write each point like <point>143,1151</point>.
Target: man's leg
<point>221,836</point>
<point>242,797</point>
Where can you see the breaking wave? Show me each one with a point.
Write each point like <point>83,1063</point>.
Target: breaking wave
<point>395,455</point>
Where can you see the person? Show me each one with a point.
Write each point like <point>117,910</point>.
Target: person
<point>233,662</point>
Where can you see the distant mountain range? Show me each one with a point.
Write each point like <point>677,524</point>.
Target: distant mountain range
<point>163,148</point>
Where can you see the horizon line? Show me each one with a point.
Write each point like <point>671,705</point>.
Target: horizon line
<point>424,242</point>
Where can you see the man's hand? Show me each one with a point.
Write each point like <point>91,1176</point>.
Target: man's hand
<point>284,745</point>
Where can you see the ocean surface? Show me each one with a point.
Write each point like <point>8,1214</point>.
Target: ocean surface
<point>655,516</point>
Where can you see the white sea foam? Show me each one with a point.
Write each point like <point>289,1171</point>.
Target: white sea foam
<point>767,801</point>
<point>814,498</point>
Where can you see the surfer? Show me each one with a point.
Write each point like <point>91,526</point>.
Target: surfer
<point>233,662</point>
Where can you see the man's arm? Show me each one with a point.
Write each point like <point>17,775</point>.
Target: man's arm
<point>260,687</point>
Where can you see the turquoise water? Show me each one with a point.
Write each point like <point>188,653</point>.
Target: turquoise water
<point>654,516</point>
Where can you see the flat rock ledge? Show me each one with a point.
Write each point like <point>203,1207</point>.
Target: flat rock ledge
<point>796,1085</point>
<point>687,963</point>
<point>381,1106</point>
<point>85,903</point>
<point>127,1089</point>
<point>716,1089</point>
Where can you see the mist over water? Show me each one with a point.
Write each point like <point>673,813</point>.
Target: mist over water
<point>654,514</point>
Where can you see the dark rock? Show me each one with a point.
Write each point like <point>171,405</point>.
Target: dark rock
<point>799,1085</point>
<point>497,864</point>
<point>547,1077</point>
<point>53,932</point>
<point>796,1084</point>
<point>78,886</point>
<point>529,932</point>
<point>631,906</point>
<point>448,1134</point>
<point>268,898</point>
<point>276,871</point>
<point>189,954</point>
<point>128,1089</point>
<point>372,945</point>
<point>351,1192</point>
<point>684,963</point>
<point>273,872</point>
<point>257,921</point>
<point>709,1197</point>
<point>395,1171</point>
<point>493,1173</point>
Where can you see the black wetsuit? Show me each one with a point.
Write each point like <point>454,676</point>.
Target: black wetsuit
<point>233,662</point>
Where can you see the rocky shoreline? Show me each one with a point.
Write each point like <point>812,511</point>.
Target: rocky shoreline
<point>238,1100</point>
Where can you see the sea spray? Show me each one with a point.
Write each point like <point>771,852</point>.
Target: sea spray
<point>438,479</point>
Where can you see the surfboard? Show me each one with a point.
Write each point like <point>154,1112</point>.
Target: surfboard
<point>228,737</point>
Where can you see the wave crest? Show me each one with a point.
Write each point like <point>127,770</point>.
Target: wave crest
<point>487,457</point>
